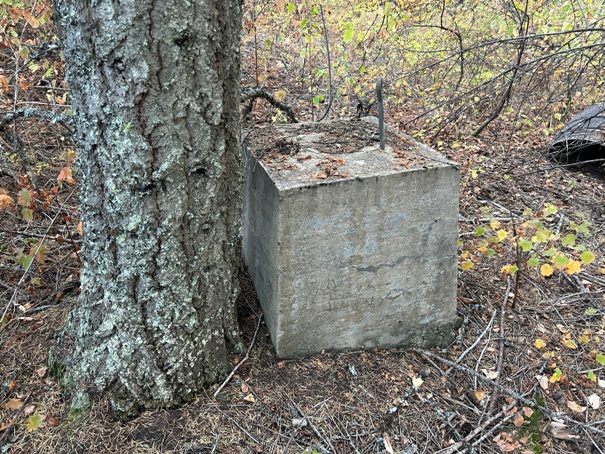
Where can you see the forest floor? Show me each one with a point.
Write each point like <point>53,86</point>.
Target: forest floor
<point>524,373</point>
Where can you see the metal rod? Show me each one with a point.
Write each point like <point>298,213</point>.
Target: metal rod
<point>380,113</point>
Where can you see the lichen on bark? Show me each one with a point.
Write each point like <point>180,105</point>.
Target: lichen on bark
<point>155,100</point>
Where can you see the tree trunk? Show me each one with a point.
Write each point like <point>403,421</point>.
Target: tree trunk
<point>155,90</point>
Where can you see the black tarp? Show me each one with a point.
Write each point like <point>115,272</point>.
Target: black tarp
<point>582,140</point>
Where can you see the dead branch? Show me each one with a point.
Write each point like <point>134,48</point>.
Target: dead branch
<point>261,92</point>
<point>61,118</point>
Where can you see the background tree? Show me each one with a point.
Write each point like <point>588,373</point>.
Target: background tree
<point>155,91</point>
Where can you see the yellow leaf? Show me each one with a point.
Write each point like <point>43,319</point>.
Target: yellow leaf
<point>33,422</point>
<point>569,343</point>
<point>573,267</point>
<point>280,94</point>
<point>546,270</point>
<point>494,224</point>
<point>79,228</point>
<point>465,255</point>
<point>501,234</point>
<point>467,265</point>
<point>480,395</point>
<point>539,343</point>
<point>250,398</point>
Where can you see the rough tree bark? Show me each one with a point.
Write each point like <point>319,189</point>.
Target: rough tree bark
<point>155,90</point>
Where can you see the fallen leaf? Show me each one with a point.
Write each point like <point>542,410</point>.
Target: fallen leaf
<point>387,444</point>
<point>594,401</point>
<point>417,381</point>
<point>527,412</point>
<point>13,404</point>
<point>480,395</point>
<point>560,431</point>
<point>518,420</point>
<point>539,343</point>
<point>65,175</point>
<point>41,372</point>
<point>33,422</point>
<point>6,201</point>
<point>575,407</point>
<point>491,374</point>
<point>250,398</point>
<point>53,421</point>
<point>543,380</point>
<point>245,388</point>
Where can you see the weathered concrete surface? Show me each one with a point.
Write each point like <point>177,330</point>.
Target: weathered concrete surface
<point>367,260</point>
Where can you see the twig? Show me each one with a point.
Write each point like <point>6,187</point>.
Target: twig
<point>456,446</point>
<point>513,394</point>
<point>468,350</point>
<point>315,429</point>
<point>237,366</point>
<point>321,10</point>
<point>8,429</point>
<point>494,396</point>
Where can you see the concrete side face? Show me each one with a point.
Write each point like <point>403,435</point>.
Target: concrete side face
<point>260,236</point>
<point>367,263</point>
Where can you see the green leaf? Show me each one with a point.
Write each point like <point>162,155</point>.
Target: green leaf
<point>387,8</point>
<point>568,240</point>
<point>560,261</point>
<point>349,33</point>
<point>27,214</point>
<point>525,245</point>
<point>533,261</point>
<point>291,8</point>
<point>479,231</point>
<point>25,197</point>
<point>542,236</point>
<point>587,257</point>
<point>591,376</point>
<point>549,209</point>
<point>550,252</point>
<point>582,228</point>
<point>600,359</point>
<point>25,261</point>
<point>303,23</point>
<point>590,311</point>
<point>33,422</point>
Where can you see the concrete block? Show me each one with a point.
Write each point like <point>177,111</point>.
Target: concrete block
<point>350,247</point>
